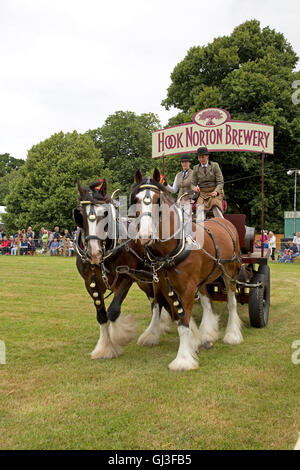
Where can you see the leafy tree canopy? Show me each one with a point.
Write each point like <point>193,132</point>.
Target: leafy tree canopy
<point>125,141</point>
<point>250,74</point>
<point>8,167</point>
<point>44,191</point>
<point>9,163</point>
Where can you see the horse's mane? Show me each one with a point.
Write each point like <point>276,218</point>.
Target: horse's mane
<point>136,186</point>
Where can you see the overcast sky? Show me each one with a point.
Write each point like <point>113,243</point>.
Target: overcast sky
<point>69,64</point>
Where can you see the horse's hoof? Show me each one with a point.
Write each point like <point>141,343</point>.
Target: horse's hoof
<point>182,365</point>
<point>205,346</point>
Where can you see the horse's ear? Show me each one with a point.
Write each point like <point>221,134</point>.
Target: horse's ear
<point>138,176</point>
<point>81,189</point>
<point>156,175</point>
<point>103,189</point>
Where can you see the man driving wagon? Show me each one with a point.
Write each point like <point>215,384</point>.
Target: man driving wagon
<point>207,181</point>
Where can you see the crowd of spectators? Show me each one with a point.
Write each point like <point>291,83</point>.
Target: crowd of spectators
<point>285,255</point>
<point>25,242</point>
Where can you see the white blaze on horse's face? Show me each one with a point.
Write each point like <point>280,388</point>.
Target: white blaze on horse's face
<point>146,231</point>
<point>95,215</point>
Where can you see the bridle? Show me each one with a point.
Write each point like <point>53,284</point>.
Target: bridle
<point>81,239</point>
<point>147,198</point>
<point>109,253</point>
<point>148,185</point>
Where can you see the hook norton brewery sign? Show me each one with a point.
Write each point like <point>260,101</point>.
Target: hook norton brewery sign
<point>212,128</point>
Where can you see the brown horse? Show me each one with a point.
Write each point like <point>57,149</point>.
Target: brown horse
<point>184,262</point>
<point>102,262</point>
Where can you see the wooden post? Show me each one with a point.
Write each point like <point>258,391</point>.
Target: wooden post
<point>262,202</point>
<point>64,248</point>
<point>18,244</point>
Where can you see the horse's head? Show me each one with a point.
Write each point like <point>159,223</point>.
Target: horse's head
<point>148,195</point>
<point>95,217</point>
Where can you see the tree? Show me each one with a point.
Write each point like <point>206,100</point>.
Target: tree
<point>250,74</point>
<point>125,141</point>
<point>8,168</point>
<point>44,190</point>
<point>9,163</point>
<point>5,181</point>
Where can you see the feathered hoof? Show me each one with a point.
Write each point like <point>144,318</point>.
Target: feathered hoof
<point>123,330</point>
<point>233,337</point>
<point>165,322</point>
<point>164,328</point>
<point>106,351</point>
<point>210,335</point>
<point>183,364</point>
<point>205,346</point>
<point>148,339</point>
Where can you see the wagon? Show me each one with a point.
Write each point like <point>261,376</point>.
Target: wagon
<point>223,134</point>
<point>258,273</point>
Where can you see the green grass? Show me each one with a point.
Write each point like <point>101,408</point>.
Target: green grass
<point>53,396</point>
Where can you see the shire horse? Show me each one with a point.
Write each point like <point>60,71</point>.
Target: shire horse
<point>180,272</point>
<point>105,264</point>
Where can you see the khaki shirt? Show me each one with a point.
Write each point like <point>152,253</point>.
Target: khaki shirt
<point>184,184</point>
<point>212,179</point>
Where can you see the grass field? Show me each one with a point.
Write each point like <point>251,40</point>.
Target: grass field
<point>53,396</point>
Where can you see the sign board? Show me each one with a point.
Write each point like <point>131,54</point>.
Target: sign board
<point>291,215</point>
<point>213,128</point>
<point>290,227</point>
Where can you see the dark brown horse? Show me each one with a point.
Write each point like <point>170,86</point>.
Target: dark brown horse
<point>107,264</point>
<point>185,261</point>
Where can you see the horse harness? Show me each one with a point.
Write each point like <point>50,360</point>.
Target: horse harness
<point>110,252</point>
<point>181,252</point>
<point>150,260</point>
